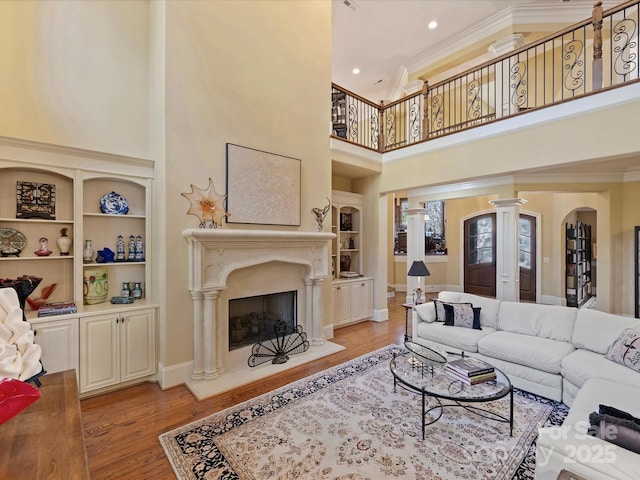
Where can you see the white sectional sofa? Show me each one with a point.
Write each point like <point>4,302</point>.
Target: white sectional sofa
<point>556,352</point>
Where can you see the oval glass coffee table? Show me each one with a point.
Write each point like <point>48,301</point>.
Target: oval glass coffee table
<point>421,370</point>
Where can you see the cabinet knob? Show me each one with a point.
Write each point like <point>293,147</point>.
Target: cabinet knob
<point>338,288</point>
<point>35,332</point>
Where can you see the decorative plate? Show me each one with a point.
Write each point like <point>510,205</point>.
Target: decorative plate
<point>114,204</point>
<point>11,241</point>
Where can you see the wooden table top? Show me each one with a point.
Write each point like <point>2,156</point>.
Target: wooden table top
<point>45,441</point>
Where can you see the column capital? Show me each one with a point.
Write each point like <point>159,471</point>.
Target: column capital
<point>507,202</point>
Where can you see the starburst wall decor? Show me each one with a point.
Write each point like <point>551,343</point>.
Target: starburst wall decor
<point>207,205</point>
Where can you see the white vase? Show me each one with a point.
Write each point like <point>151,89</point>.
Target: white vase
<point>87,253</point>
<point>64,242</point>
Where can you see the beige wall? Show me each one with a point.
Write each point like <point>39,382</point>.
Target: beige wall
<point>251,73</point>
<point>76,74</point>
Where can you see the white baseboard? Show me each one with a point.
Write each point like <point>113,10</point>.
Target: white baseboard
<point>327,331</point>
<point>553,300</point>
<point>381,315</point>
<point>174,375</point>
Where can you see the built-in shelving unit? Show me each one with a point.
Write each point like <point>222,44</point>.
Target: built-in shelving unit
<point>352,290</point>
<point>108,344</point>
<point>578,264</point>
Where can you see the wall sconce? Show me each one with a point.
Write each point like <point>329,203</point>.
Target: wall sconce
<point>418,269</point>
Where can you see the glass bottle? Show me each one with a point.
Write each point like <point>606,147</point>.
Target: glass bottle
<point>126,290</point>
<point>137,290</point>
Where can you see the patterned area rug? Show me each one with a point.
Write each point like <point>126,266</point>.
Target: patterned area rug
<point>347,423</point>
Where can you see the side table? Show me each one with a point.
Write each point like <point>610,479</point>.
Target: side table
<point>407,308</point>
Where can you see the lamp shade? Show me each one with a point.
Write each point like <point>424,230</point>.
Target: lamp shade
<point>418,269</point>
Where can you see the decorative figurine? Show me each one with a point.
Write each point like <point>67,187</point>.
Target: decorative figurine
<point>64,242</point>
<point>207,205</point>
<point>132,249</point>
<point>87,253</point>
<point>44,250</point>
<point>139,253</point>
<point>120,249</point>
<point>321,213</point>
<point>105,256</point>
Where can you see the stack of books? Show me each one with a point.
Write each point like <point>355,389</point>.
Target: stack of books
<point>57,308</point>
<point>471,370</point>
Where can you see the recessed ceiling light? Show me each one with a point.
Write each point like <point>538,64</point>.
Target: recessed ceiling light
<point>432,24</point>
<point>355,71</point>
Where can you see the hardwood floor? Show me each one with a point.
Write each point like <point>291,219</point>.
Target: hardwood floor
<point>121,428</point>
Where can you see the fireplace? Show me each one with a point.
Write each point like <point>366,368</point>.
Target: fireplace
<point>252,319</point>
<point>227,264</point>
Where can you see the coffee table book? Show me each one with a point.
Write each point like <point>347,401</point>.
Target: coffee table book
<point>470,366</point>
<point>471,380</point>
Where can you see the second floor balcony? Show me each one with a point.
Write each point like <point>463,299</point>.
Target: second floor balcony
<point>595,55</point>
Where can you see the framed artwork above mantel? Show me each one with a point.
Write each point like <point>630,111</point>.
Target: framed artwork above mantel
<point>262,188</point>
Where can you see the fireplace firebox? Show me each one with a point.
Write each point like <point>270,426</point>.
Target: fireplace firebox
<point>252,319</point>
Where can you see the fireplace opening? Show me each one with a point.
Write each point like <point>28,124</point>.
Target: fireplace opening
<point>252,319</point>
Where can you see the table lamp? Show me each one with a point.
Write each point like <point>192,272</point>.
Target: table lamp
<point>418,269</point>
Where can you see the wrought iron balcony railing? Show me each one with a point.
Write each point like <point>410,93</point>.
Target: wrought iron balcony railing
<point>596,54</point>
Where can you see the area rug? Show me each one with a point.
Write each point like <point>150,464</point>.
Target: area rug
<point>347,423</point>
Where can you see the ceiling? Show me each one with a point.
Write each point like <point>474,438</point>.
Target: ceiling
<point>389,39</point>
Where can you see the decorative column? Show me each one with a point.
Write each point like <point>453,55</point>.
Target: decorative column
<point>507,80</point>
<point>596,20</point>
<point>507,248</point>
<point>415,244</point>
<point>211,340</point>
<point>317,320</point>
<point>198,339</point>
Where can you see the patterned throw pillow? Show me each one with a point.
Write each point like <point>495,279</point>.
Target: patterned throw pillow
<point>440,313</point>
<point>626,349</point>
<point>462,315</point>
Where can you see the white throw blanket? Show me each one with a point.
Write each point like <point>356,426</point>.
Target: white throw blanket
<point>19,356</point>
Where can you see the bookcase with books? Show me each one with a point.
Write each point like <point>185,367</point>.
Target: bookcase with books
<point>578,264</point>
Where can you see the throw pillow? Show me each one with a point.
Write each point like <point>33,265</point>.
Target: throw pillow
<point>462,315</point>
<point>616,412</point>
<point>626,349</point>
<point>440,313</point>
<point>619,431</point>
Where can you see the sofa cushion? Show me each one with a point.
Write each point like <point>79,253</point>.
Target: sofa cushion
<point>581,365</point>
<point>543,321</point>
<point>455,337</point>
<point>626,349</point>
<point>461,315</point>
<point>535,352</point>
<point>589,334</point>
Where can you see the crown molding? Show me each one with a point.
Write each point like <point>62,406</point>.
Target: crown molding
<point>564,12</point>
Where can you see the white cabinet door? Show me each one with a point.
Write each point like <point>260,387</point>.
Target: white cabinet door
<point>341,303</point>
<point>99,352</point>
<point>116,348</point>
<point>138,344</point>
<point>361,299</point>
<point>58,340</point>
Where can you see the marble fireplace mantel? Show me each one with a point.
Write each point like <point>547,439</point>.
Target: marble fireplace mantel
<point>213,255</point>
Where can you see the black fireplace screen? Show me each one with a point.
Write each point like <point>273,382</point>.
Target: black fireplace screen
<point>252,319</point>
